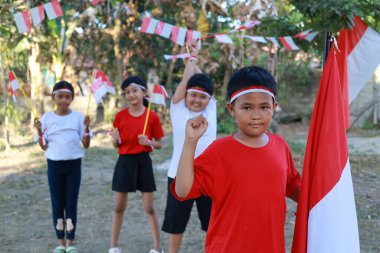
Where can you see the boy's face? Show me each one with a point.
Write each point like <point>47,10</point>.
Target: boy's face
<point>253,113</point>
<point>196,101</point>
<point>63,100</point>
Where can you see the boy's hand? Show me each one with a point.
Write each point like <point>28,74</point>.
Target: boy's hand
<point>143,140</point>
<point>196,127</point>
<point>87,122</point>
<point>115,135</point>
<point>37,125</point>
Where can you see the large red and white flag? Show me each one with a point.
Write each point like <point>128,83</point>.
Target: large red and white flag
<point>101,86</point>
<point>163,29</point>
<point>149,25</point>
<point>359,57</point>
<point>326,216</point>
<point>13,84</point>
<point>288,43</point>
<point>23,22</point>
<point>37,14</point>
<point>159,94</point>
<point>53,9</point>
<point>179,35</point>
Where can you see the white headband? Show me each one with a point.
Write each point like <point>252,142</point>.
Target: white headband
<point>199,91</point>
<point>249,90</point>
<point>138,85</point>
<point>62,90</point>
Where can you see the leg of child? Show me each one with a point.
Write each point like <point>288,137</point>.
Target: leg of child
<point>174,242</point>
<point>57,195</point>
<point>147,198</point>
<point>73,179</point>
<point>117,220</point>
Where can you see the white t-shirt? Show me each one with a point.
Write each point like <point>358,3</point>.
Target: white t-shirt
<point>63,135</point>
<point>179,115</point>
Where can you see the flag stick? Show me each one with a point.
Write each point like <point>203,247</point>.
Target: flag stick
<point>89,97</point>
<point>147,114</point>
<point>29,104</point>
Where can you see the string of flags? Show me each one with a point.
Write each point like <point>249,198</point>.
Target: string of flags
<point>179,35</point>
<point>36,15</point>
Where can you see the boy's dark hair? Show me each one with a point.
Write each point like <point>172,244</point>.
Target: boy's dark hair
<point>64,85</point>
<point>251,76</point>
<point>137,80</point>
<point>201,81</point>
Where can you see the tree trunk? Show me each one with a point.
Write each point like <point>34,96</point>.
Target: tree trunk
<point>36,92</point>
<point>6,102</point>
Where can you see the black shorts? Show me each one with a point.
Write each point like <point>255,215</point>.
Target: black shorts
<point>177,213</point>
<point>133,172</point>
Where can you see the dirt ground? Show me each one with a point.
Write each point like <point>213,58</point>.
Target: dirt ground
<point>25,212</point>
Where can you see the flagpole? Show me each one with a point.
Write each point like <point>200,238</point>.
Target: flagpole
<point>29,104</point>
<point>89,97</point>
<point>147,114</point>
<point>327,46</point>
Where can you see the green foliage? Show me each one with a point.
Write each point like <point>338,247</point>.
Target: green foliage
<point>14,113</point>
<point>226,124</point>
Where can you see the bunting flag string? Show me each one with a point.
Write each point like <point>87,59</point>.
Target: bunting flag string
<point>179,35</point>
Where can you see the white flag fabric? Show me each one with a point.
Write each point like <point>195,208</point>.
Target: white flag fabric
<point>326,214</point>
<point>273,40</point>
<point>247,25</point>
<point>255,38</point>
<point>222,38</point>
<point>23,22</point>
<point>194,36</point>
<point>38,14</point>
<point>176,56</point>
<point>53,9</point>
<point>13,83</point>
<point>149,25</point>
<point>179,35</point>
<point>288,43</point>
<point>101,86</point>
<point>159,94</point>
<point>163,29</point>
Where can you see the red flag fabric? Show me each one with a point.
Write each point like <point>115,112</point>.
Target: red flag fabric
<point>288,43</point>
<point>101,86</point>
<point>179,35</point>
<point>326,216</point>
<point>149,25</point>
<point>14,85</point>
<point>38,14</point>
<point>163,29</point>
<point>23,22</point>
<point>53,9</point>
<point>159,94</point>
<point>96,2</point>
<point>359,57</point>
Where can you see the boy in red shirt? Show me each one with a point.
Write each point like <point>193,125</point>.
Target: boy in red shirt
<point>247,175</point>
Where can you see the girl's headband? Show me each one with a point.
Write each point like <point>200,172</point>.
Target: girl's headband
<point>138,85</point>
<point>199,90</point>
<point>62,90</point>
<point>250,89</point>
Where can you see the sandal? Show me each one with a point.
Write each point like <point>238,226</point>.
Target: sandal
<point>71,249</point>
<point>59,249</point>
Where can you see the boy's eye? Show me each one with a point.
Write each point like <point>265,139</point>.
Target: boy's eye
<point>246,108</point>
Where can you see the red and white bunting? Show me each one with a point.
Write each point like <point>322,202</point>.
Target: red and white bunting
<point>311,36</point>
<point>23,22</point>
<point>14,85</point>
<point>159,94</point>
<point>53,9</point>
<point>37,14</point>
<point>95,2</point>
<point>194,36</point>
<point>247,25</point>
<point>255,38</point>
<point>288,43</point>
<point>149,25</point>
<point>222,38</point>
<point>308,35</point>
<point>179,35</point>
<point>273,40</point>
<point>163,29</point>
<point>177,56</point>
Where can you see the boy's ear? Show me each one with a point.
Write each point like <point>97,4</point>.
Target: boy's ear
<point>275,104</point>
<point>230,108</point>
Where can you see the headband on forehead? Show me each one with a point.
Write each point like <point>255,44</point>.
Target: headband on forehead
<point>62,90</point>
<point>250,89</point>
<point>199,90</point>
<point>138,85</point>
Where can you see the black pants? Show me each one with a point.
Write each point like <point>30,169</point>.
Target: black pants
<point>64,181</point>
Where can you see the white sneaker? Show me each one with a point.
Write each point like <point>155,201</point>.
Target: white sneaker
<point>114,250</point>
<point>156,251</point>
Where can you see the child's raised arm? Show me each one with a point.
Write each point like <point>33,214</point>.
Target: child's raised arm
<point>195,128</point>
<point>190,69</point>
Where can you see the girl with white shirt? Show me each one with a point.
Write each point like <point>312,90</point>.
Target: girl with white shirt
<point>64,134</point>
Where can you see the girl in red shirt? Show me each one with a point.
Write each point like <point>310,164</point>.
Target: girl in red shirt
<point>133,170</point>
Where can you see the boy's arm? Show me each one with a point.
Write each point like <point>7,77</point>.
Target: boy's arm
<point>195,128</point>
<point>86,137</point>
<point>190,69</point>
<point>41,141</point>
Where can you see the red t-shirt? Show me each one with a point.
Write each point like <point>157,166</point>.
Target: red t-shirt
<point>130,127</point>
<point>248,188</point>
